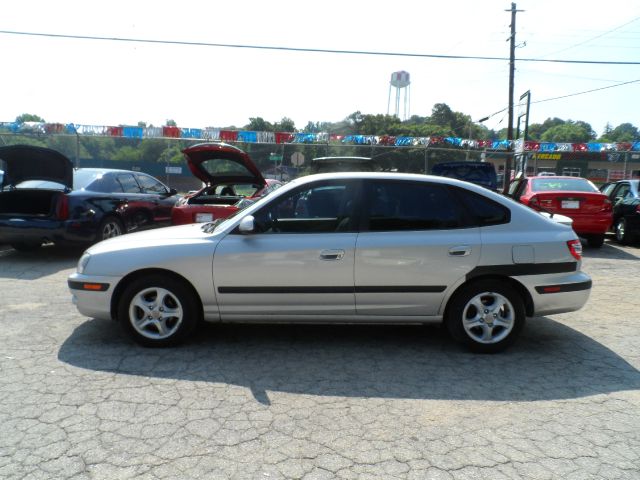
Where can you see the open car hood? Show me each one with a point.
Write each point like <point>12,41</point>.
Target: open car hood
<point>220,163</point>
<point>26,162</point>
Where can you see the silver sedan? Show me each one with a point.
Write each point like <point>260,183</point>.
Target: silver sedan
<point>350,248</point>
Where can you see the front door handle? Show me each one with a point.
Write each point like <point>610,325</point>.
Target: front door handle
<point>337,254</point>
<point>460,251</point>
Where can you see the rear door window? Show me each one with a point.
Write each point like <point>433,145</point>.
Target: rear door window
<point>393,206</point>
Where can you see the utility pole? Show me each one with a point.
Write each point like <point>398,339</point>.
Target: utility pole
<point>512,62</point>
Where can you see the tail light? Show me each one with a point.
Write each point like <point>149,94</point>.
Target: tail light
<point>575,247</point>
<point>607,205</point>
<point>62,207</point>
<point>638,208</point>
<point>534,202</point>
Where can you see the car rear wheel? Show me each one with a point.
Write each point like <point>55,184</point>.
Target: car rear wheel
<point>110,227</point>
<point>158,311</point>
<point>622,232</point>
<point>486,315</point>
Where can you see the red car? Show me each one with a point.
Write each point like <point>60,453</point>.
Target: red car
<point>231,181</point>
<point>573,197</point>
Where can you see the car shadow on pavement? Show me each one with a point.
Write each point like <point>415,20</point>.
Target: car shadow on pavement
<point>39,263</point>
<point>612,250</point>
<point>549,362</point>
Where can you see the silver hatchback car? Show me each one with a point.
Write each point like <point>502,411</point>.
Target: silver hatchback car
<point>346,248</point>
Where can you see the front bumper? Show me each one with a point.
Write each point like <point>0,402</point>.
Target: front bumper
<point>92,294</point>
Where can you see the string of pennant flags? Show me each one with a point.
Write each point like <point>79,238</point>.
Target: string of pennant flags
<point>243,136</point>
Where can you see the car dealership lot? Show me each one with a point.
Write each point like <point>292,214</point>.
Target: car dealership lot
<point>80,400</point>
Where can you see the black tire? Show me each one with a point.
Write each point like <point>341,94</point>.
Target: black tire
<point>110,227</point>
<point>26,246</point>
<point>622,232</point>
<point>158,311</point>
<point>595,241</point>
<point>478,329</point>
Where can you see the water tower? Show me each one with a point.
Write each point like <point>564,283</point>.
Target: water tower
<point>402,83</point>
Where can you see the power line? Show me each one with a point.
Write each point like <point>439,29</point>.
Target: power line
<point>308,50</point>
<point>561,97</point>
<point>594,38</point>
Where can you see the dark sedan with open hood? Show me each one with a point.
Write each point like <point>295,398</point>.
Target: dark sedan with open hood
<point>231,182</point>
<point>44,199</point>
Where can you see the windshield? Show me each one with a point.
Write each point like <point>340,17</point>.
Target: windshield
<point>551,184</point>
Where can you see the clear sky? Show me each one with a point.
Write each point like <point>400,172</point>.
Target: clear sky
<point>98,82</point>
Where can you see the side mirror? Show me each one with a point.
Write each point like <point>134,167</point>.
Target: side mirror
<point>172,192</point>
<point>247,225</point>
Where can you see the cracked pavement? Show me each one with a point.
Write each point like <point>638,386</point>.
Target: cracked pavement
<point>78,400</point>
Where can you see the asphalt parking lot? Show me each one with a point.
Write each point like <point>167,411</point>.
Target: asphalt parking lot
<point>79,400</point>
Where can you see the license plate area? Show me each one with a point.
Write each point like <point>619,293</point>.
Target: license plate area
<point>570,204</point>
<point>204,217</point>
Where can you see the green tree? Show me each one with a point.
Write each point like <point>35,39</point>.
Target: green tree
<point>625,132</point>
<point>28,117</point>
<point>171,123</point>
<point>570,132</point>
<point>285,125</point>
<point>127,153</point>
<point>441,114</point>
<point>258,124</point>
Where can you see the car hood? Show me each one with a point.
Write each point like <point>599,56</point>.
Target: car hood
<point>27,162</point>
<point>220,163</point>
<point>158,237</point>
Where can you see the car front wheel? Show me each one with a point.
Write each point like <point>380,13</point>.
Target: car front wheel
<point>486,315</point>
<point>158,311</point>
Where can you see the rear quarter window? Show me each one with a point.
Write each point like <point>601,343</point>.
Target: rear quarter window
<point>482,210</point>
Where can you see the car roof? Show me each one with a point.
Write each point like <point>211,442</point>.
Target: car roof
<point>105,170</point>
<point>390,176</point>
<point>556,177</point>
<point>341,159</point>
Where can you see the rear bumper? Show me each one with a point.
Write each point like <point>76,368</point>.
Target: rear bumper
<point>32,230</point>
<point>592,224</point>
<point>558,293</point>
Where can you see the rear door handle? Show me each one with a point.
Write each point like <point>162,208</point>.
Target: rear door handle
<point>337,254</point>
<point>460,251</point>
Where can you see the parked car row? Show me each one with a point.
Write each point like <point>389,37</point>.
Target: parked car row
<point>337,247</point>
<point>44,199</point>
<point>625,198</point>
<point>573,197</point>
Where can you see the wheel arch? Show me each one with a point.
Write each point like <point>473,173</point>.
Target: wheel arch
<point>133,276</point>
<point>106,216</point>
<point>516,285</point>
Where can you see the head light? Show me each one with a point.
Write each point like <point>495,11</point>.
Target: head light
<point>82,263</point>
